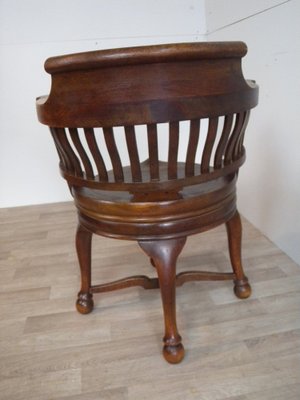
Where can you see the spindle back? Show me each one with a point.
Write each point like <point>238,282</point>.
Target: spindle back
<point>102,102</point>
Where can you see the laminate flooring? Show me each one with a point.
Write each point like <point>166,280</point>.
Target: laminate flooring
<point>235,349</point>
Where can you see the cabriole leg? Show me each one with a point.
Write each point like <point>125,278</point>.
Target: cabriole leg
<point>164,254</point>
<point>84,302</point>
<point>242,289</point>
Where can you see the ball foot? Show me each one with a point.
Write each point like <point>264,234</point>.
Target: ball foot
<point>173,354</point>
<point>242,289</point>
<point>84,303</point>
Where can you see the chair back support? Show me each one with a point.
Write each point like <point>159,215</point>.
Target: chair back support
<point>94,94</point>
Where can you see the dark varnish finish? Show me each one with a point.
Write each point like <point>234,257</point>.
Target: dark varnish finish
<point>157,203</point>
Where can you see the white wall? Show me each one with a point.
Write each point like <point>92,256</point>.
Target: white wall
<point>33,30</point>
<point>269,182</point>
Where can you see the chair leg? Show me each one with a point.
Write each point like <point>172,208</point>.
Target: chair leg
<point>242,289</point>
<point>84,302</point>
<point>164,254</point>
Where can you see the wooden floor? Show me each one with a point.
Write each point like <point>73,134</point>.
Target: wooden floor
<point>235,349</point>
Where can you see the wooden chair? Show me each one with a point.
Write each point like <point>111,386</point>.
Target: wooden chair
<point>157,203</point>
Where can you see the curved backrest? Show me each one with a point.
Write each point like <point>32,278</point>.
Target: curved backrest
<point>98,91</point>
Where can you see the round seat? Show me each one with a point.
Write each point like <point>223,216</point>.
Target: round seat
<point>146,215</point>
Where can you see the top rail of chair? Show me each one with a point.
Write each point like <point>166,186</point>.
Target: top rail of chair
<point>145,55</point>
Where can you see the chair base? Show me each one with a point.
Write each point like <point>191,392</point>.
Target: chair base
<point>163,254</point>
<point>173,353</point>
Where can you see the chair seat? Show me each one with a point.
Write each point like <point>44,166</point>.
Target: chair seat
<point>164,215</point>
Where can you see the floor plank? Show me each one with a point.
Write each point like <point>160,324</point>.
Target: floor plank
<point>235,350</point>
